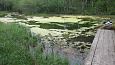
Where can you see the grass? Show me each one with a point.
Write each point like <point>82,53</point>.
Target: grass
<point>3,13</point>
<point>15,41</point>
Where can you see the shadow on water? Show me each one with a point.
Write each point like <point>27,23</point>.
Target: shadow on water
<point>58,25</point>
<point>83,38</point>
<point>72,54</point>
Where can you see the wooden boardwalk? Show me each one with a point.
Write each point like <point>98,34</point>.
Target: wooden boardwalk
<point>103,49</point>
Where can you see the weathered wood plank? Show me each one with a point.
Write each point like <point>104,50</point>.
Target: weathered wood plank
<point>103,49</point>
<point>113,48</point>
<point>89,59</point>
<point>97,56</point>
<point>111,45</point>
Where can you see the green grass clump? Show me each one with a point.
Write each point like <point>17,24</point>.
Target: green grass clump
<point>15,43</point>
<point>2,14</point>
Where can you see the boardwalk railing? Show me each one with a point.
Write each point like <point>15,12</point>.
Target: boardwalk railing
<point>103,49</point>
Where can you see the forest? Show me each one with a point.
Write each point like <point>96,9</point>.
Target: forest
<point>85,7</point>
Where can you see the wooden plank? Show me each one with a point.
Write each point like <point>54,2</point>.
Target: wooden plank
<point>104,52</point>
<point>97,56</point>
<point>113,48</point>
<point>105,46</point>
<point>89,59</point>
<point>103,49</point>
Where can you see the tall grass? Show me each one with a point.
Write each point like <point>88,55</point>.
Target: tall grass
<point>15,43</point>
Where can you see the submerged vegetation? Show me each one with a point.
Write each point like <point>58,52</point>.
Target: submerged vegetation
<point>16,44</point>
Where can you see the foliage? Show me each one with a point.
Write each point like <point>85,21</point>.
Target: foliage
<point>59,6</point>
<point>15,43</point>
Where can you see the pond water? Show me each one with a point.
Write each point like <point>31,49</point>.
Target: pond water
<point>67,36</point>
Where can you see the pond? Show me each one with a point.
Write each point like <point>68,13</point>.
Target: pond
<point>68,36</point>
